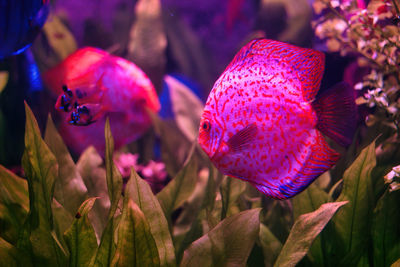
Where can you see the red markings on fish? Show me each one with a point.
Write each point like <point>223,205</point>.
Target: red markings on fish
<point>270,132</point>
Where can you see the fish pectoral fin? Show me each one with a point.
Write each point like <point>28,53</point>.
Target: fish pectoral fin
<point>243,138</point>
<point>319,161</point>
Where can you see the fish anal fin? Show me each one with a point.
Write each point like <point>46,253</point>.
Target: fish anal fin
<point>337,113</point>
<point>321,159</point>
<point>243,138</point>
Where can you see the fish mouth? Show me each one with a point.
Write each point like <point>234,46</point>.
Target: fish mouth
<point>221,151</point>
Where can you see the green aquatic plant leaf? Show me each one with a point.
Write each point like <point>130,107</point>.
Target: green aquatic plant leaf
<point>308,201</point>
<point>62,220</point>
<point>353,221</point>
<point>187,107</point>
<point>59,37</point>
<point>89,166</point>
<point>54,43</point>
<point>11,256</point>
<point>228,244</point>
<point>230,190</point>
<point>148,41</point>
<point>179,189</point>
<point>140,192</point>
<point>174,145</point>
<point>187,227</point>
<point>270,245</point>
<point>80,237</point>
<point>386,230</point>
<point>114,178</point>
<point>107,246</point>
<point>136,245</point>
<point>305,229</point>
<point>278,217</point>
<point>14,204</point>
<point>70,190</point>
<point>38,236</point>
<point>3,80</point>
<point>396,263</point>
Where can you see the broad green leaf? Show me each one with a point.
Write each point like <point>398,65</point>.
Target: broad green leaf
<point>114,178</point>
<point>183,241</point>
<point>3,80</point>
<point>178,189</point>
<point>186,49</point>
<point>14,204</point>
<point>10,256</point>
<point>187,107</point>
<point>136,245</point>
<point>230,190</point>
<point>41,170</point>
<point>213,211</point>
<point>386,230</point>
<point>305,229</point>
<point>62,220</point>
<point>174,145</point>
<point>3,138</point>
<point>54,43</point>
<point>59,37</point>
<point>140,192</point>
<point>210,190</point>
<point>278,217</point>
<point>228,244</point>
<point>94,176</point>
<point>80,237</point>
<point>353,221</point>
<point>308,201</point>
<point>271,246</point>
<point>148,41</point>
<point>187,227</point>
<point>70,190</point>
<point>396,263</point>
<point>106,248</point>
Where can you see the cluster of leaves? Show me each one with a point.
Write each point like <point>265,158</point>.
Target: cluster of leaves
<point>67,214</point>
<point>372,33</point>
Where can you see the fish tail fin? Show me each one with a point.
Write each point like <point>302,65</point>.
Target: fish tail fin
<point>337,113</point>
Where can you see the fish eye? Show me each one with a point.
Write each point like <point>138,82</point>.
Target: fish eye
<point>206,126</point>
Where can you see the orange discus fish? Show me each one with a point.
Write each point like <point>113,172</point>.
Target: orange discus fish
<point>93,85</point>
<point>263,120</point>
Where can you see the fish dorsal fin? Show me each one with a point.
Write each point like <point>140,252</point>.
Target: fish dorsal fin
<point>321,159</point>
<point>243,138</point>
<point>308,63</point>
<point>73,66</point>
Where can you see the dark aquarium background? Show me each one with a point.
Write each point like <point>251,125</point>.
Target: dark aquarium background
<point>100,107</point>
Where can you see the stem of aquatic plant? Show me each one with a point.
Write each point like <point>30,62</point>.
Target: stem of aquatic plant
<point>396,7</point>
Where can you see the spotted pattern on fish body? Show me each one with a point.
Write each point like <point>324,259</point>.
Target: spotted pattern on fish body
<point>259,124</point>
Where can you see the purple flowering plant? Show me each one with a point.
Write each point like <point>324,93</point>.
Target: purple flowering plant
<point>371,32</point>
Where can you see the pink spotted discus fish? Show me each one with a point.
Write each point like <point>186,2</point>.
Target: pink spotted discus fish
<point>93,85</point>
<point>263,120</point>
